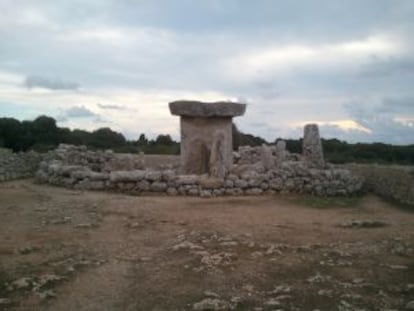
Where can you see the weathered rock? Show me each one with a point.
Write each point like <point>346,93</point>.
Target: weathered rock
<point>364,223</point>
<point>143,185</point>
<point>211,304</point>
<point>5,301</point>
<point>280,151</point>
<point>254,191</point>
<point>187,180</point>
<point>191,108</point>
<point>153,175</point>
<point>98,176</point>
<point>410,305</point>
<point>172,191</point>
<point>312,146</point>
<point>158,186</point>
<point>268,160</point>
<point>136,175</point>
<point>206,135</point>
<point>211,183</point>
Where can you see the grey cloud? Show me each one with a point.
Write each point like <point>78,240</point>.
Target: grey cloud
<point>383,68</point>
<point>385,130</point>
<point>170,48</point>
<point>111,107</point>
<point>77,112</point>
<point>380,118</point>
<point>386,107</point>
<point>56,83</point>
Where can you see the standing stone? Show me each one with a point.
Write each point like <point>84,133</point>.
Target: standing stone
<point>280,146</point>
<point>206,135</point>
<point>312,147</point>
<point>268,160</point>
<point>280,151</point>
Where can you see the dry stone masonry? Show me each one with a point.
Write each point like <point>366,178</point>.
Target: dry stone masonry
<point>206,135</point>
<point>209,167</point>
<point>262,173</point>
<point>17,165</point>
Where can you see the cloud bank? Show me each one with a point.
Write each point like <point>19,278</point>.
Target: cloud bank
<point>348,66</point>
<point>33,81</point>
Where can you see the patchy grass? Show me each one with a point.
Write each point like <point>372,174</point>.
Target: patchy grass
<point>327,202</point>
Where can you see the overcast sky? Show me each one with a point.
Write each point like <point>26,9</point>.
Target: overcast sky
<point>346,65</point>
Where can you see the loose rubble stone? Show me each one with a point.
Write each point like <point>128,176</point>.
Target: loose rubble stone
<point>186,245</point>
<point>46,294</point>
<point>19,165</point>
<point>410,305</point>
<point>210,304</point>
<point>5,301</point>
<point>366,223</point>
<point>272,302</point>
<point>256,172</point>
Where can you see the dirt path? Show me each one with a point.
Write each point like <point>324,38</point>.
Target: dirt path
<point>68,250</point>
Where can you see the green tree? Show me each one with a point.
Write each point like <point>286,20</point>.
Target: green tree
<point>11,133</point>
<point>106,138</point>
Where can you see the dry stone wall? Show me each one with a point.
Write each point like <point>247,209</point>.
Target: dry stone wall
<point>18,165</point>
<point>392,182</point>
<point>83,169</point>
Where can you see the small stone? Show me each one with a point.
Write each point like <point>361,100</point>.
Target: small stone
<point>22,283</point>
<point>5,301</point>
<point>27,250</point>
<point>272,302</point>
<point>211,183</point>
<point>366,223</point>
<point>248,287</point>
<point>84,226</point>
<point>186,245</point>
<point>325,292</point>
<point>46,279</point>
<point>211,294</point>
<point>410,305</point>
<point>397,267</point>
<point>134,225</point>
<point>172,191</point>
<point>46,294</point>
<point>229,243</point>
<point>256,254</point>
<point>210,304</point>
<point>281,289</point>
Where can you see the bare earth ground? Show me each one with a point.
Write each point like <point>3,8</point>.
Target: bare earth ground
<point>69,250</point>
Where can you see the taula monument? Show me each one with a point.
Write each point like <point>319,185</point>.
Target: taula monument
<point>206,135</point>
<point>207,167</point>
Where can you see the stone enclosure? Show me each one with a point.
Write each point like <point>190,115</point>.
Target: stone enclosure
<point>208,165</point>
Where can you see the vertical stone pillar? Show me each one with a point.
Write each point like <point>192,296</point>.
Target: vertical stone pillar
<point>268,160</point>
<point>280,152</point>
<point>312,147</point>
<point>206,135</point>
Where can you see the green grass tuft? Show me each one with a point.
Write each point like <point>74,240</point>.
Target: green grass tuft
<point>328,202</point>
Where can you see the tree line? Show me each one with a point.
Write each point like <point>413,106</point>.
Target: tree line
<point>42,134</point>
